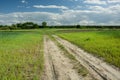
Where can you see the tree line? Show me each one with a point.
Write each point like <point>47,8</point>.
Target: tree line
<point>31,25</point>
<point>26,25</point>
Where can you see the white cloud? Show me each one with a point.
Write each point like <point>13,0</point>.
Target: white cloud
<point>113,1</point>
<point>1,21</point>
<point>20,6</point>
<point>50,6</point>
<point>94,14</point>
<point>114,9</point>
<point>78,7</point>
<point>24,1</point>
<point>74,0</point>
<point>83,22</point>
<point>95,1</point>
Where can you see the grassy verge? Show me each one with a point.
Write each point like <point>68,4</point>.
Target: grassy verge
<point>21,55</point>
<point>104,44</point>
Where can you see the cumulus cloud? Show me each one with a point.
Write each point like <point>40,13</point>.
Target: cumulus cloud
<point>114,9</point>
<point>95,1</point>
<point>50,6</point>
<point>67,17</point>
<point>92,15</point>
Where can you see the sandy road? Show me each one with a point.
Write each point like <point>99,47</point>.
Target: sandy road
<point>98,68</point>
<point>57,66</point>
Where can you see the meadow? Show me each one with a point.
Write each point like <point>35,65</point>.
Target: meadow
<point>21,55</point>
<point>103,44</point>
<point>21,51</point>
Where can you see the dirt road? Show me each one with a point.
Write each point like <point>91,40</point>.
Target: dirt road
<point>98,68</point>
<point>57,66</point>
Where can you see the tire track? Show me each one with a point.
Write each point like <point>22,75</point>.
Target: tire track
<point>57,66</point>
<point>98,68</point>
<point>49,72</point>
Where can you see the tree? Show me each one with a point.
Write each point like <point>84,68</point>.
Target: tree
<point>13,26</point>
<point>78,26</point>
<point>27,25</point>
<point>36,26</point>
<point>44,24</point>
<point>19,25</point>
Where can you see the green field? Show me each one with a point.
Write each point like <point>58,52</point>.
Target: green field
<point>103,44</point>
<point>21,51</point>
<point>21,55</point>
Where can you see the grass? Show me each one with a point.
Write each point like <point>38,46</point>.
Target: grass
<point>21,55</point>
<point>21,51</point>
<point>104,44</point>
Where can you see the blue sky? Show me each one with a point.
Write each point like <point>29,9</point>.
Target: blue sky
<point>61,12</point>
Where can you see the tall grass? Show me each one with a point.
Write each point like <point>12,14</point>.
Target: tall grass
<point>21,55</point>
<point>105,44</point>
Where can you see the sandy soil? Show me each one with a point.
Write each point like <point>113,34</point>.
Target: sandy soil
<point>98,68</point>
<point>57,66</point>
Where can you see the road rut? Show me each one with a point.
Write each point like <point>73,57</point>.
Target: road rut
<point>57,66</point>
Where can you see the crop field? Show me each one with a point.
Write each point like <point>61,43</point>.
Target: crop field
<point>21,55</point>
<point>103,44</point>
